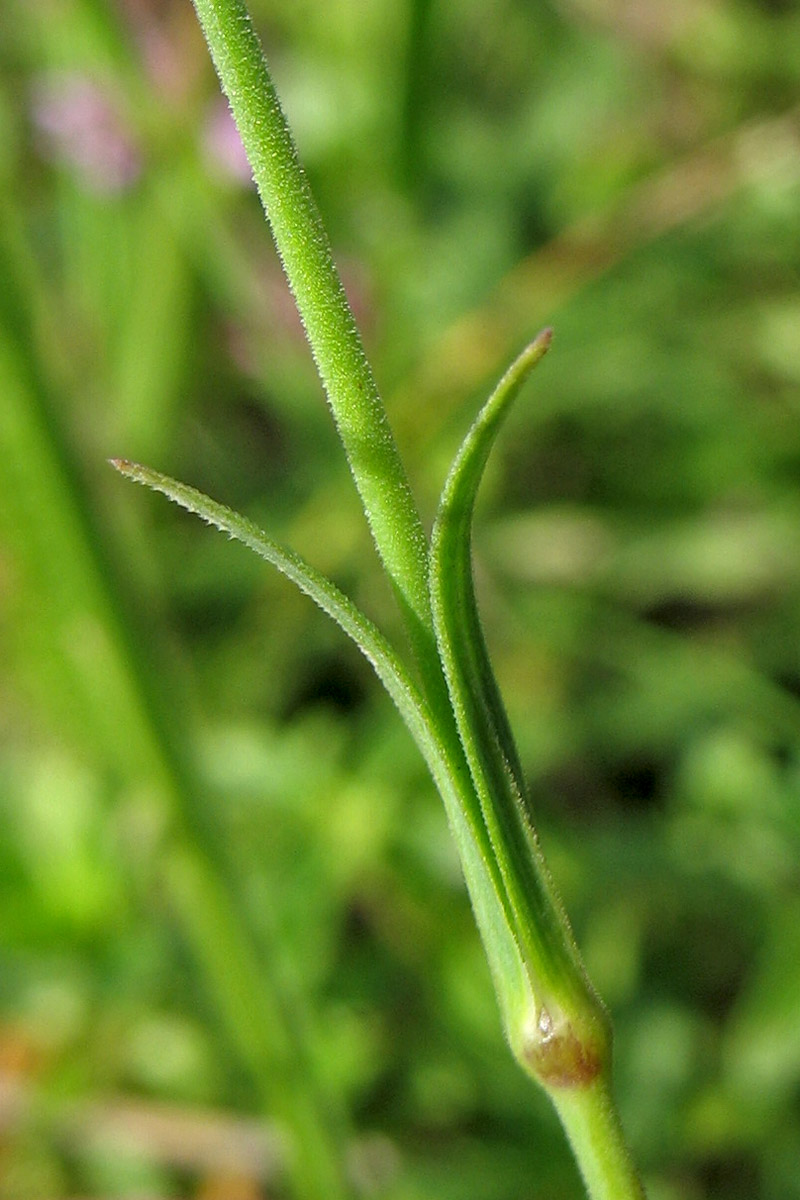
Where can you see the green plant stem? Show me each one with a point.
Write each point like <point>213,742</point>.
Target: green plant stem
<point>556,1026</point>
<point>577,1079</point>
<point>335,342</point>
<point>591,1121</point>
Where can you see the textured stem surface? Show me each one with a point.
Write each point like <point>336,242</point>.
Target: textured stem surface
<point>556,1025</point>
<point>591,1121</point>
<point>335,342</point>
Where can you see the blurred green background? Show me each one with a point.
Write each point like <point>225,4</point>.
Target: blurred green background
<point>229,903</point>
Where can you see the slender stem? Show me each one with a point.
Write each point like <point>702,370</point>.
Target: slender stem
<point>416,91</point>
<point>527,943</point>
<point>335,341</point>
<point>592,1124</point>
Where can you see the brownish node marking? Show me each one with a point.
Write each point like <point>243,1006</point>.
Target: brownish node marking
<point>558,1057</point>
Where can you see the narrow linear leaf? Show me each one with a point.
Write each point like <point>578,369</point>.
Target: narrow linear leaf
<point>556,1026</point>
<point>565,1038</point>
<point>370,641</point>
<point>444,758</point>
<point>451,576</point>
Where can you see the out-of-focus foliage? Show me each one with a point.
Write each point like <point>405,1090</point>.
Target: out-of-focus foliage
<point>214,828</point>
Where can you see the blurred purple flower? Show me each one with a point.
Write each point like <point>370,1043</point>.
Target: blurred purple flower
<point>78,125</point>
<point>224,146</point>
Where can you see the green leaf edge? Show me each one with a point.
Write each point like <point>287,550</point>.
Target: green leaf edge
<point>369,639</point>
<point>558,990</point>
<point>444,758</point>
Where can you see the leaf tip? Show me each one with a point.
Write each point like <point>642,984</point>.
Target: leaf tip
<point>131,470</point>
<point>541,343</point>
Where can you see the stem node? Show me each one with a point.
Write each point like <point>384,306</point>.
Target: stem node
<point>560,1056</point>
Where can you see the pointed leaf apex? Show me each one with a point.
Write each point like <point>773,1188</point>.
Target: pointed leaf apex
<point>543,339</point>
<point>535,349</point>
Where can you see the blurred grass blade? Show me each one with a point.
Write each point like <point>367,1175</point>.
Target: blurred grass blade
<point>115,701</point>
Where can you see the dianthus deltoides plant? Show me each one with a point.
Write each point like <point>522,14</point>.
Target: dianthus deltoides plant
<point>443,687</point>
